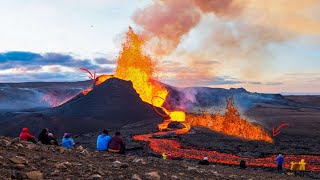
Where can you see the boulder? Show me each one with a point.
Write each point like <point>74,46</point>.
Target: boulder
<point>136,177</point>
<point>35,175</point>
<point>153,175</point>
<point>18,160</point>
<point>95,176</point>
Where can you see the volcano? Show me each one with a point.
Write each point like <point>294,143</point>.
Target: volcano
<point>112,104</point>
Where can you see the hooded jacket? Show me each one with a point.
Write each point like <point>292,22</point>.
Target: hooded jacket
<point>25,136</point>
<point>67,142</point>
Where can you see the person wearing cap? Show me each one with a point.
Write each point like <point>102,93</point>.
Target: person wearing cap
<point>279,161</point>
<point>53,140</point>
<point>205,161</point>
<point>67,141</point>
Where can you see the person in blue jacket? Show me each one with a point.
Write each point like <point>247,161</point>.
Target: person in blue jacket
<point>67,141</point>
<point>103,141</point>
<point>279,160</point>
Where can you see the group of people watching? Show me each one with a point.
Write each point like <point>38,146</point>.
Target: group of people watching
<point>113,144</point>
<point>104,142</point>
<point>47,138</point>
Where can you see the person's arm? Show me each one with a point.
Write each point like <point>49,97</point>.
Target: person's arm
<point>30,136</point>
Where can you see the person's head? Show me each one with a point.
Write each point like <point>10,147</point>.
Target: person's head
<point>50,135</point>
<point>66,135</point>
<point>205,158</point>
<point>25,130</point>
<point>280,154</point>
<point>45,131</point>
<point>117,133</point>
<point>105,132</point>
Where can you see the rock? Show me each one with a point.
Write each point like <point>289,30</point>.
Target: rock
<point>19,145</point>
<point>139,160</point>
<point>124,165</point>
<point>18,160</point>
<point>153,175</point>
<point>31,146</point>
<point>116,164</point>
<point>95,176</point>
<point>55,172</point>
<point>4,142</point>
<point>15,140</point>
<point>79,148</point>
<point>17,175</point>
<point>19,166</point>
<point>191,168</point>
<point>174,177</point>
<point>62,150</point>
<point>35,175</point>
<point>61,165</point>
<point>136,177</point>
<point>100,172</point>
<point>176,125</point>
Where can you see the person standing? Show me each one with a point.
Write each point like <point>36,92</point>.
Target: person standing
<point>103,141</point>
<point>279,160</point>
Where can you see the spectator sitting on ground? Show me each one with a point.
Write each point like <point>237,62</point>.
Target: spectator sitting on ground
<point>25,136</point>
<point>103,141</point>
<point>117,144</point>
<point>67,141</point>
<point>53,140</point>
<point>43,137</point>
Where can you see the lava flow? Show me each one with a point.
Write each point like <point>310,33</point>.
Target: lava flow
<point>176,149</point>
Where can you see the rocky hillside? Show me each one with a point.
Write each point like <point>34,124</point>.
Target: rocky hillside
<point>24,160</point>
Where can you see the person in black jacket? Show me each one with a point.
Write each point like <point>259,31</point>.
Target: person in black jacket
<point>205,161</point>
<point>43,137</point>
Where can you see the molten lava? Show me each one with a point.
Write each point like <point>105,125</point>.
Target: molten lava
<point>231,124</point>
<point>137,67</point>
<point>177,150</point>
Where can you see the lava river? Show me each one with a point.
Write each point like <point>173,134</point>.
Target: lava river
<point>176,149</point>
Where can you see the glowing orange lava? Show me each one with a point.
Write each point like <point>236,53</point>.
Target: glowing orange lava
<point>176,149</point>
<point>231,124</point>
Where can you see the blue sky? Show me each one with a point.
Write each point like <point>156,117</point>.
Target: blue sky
<point>44,40</point>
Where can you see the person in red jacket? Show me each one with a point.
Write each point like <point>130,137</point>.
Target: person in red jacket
<point>117,144</point>
<point>26,136</point>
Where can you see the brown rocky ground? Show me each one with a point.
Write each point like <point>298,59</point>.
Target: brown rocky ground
<point>22,160</point>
